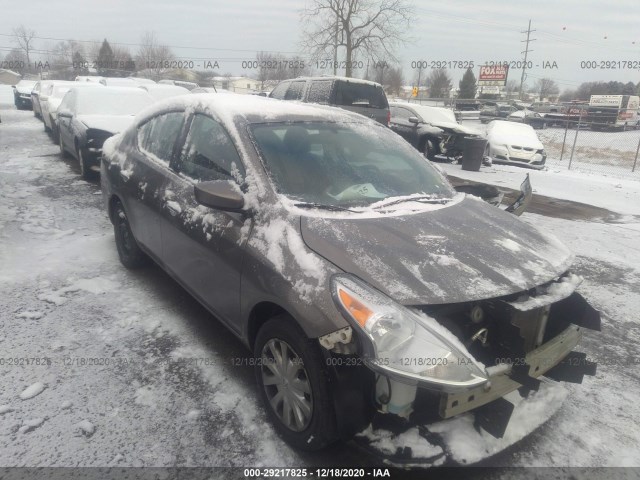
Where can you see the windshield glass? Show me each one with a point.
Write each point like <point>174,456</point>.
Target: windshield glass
<point>104,101</point>
<point>345,164</point>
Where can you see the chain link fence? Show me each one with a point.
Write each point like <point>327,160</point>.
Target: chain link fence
<point>605,141</point>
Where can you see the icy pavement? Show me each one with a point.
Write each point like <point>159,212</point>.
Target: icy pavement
<point>100,366</point>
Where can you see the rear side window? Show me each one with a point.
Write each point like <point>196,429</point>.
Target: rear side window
<point>279,91</point>
<point>209,153</point>
<point>295,91</point>
<point>353,94</point>
<point>320,91</point>
<point>158,136</point>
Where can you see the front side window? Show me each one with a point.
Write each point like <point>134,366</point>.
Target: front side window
<point>401,113</point>
<point>158,136</point>
<point>209,153</point>
<point>344,164</point>
<point>280,91</point>
<point>295,91</point>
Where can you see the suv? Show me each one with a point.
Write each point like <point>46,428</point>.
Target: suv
<point>359,96</point>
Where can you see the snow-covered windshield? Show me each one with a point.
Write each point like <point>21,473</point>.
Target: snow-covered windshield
<point>106,101</point>
<point>345,164</point>
<point>59,91</point>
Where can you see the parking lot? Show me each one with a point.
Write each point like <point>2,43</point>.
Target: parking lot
<point>137,373</point>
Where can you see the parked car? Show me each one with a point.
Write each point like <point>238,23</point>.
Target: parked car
<point>546,107</point>
<point>432,130</point>
<point>180,83</point>
<point>118,82</point>
<point>88,116</point>
<point>59,88</point>
<point>159,92</point>
<point>142,81</point>
<point>516,144</point>
<point>535,119</point>
<point>342,259</point>
<point>89,78</point>
<point>494,112</point>
<point>204,90</point>
<point>22,94</point>
<point>38,95</point>
<point>359,96</point>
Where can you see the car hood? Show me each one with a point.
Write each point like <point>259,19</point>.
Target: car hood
<point>515,139</point>
<point>108,123</point>
<point>463,252</point>
<point>24,90</point>
<point>456,127</point>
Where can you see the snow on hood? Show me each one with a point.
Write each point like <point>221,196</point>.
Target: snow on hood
<point>510,133</point>
<point>467,251</point>
<point>456,127</point>
<point>109,123</point>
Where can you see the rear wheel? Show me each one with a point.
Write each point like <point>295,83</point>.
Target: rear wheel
<point>85,167</point>
<point>131,256</point>
<point>293,384</point>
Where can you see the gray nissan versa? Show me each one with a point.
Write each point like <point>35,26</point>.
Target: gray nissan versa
<point>364,284</point>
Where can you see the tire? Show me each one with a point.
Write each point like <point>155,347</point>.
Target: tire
<point>130,254</point>
<point>63,152</point>
<point>85,170</point>
<point>314,427</point>
<point>427,149</point>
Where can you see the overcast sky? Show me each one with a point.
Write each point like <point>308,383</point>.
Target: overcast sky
<point>568,32</point>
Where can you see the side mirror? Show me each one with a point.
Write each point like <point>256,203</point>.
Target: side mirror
<point>64,113</point>
<point>414,120</point>
<point>219,194</point>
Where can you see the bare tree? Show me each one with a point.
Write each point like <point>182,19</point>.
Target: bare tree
<point>16,61</point>
<point>439,83</point>
<point>153,56</point>
<point>24,39</point>
<point>395,80</point>
<point>364,28</point>
<point>545,87</point>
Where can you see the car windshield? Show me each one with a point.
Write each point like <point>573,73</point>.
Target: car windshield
<point>104,101</point>
<point>59,91</point>
<point>345,164</point>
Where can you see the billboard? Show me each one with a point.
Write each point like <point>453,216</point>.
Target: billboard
<point>493,75</point>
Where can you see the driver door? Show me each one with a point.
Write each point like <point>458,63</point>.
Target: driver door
<point>202,246</point>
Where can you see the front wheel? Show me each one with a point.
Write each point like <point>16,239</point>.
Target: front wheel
<point>293,384</point>
<point>85,167</point>
<point>131,256</point>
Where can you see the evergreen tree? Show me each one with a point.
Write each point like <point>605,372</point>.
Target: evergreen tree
<point>105,58</point>
<point>467,85</point>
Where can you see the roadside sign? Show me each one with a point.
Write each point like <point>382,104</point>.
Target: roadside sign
<point>414,93</point>
<point>495,75</point>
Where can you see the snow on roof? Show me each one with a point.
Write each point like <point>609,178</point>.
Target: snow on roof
<point>254,108</point>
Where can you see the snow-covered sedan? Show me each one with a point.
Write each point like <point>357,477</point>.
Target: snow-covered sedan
<point>342,259</point>
<point>432,130</point>
<point>160,92</point>
<point>88,116</point>
<point>515,144</point>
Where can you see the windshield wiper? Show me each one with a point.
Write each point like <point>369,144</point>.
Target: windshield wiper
<point>334,208</point>
<point>425,199</point>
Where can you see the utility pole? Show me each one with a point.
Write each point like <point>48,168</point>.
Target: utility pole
<point>335,48</point>
<point>526,51</point>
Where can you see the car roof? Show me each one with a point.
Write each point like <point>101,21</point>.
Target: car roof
<point>253,108</point>
<point>346,79</point>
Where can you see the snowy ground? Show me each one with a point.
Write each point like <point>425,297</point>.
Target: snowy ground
<point>169,395</point>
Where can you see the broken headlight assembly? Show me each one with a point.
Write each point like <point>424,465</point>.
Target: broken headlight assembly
<point>403,344</point>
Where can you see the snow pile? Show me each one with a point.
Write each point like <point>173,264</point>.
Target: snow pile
<point>549,294</point>
<point>32,391</point>
<point>31,425</point>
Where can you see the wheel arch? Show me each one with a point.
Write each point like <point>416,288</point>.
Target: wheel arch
<point>261,313</point>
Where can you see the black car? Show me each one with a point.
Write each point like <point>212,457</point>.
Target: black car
<point>359,96</point>
<point>432,130</point>
<point>529,117</point>
<point>496,112</point>
<point>88,116</point>
<point>343,260</point>
<point>22,94</point>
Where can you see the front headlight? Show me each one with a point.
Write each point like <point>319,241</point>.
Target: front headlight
<point>403,343</point>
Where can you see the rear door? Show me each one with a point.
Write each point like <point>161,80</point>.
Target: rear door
<point>202,246</point>
<point>144,178</point>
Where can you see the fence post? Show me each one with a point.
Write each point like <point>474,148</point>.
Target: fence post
<point>564,140</point>
<point>635,161</point>
<point>575,139</point>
